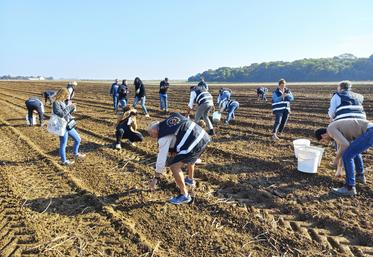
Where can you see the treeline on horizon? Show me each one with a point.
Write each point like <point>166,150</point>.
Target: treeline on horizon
<point>9,77</point>
<point>341,67</point>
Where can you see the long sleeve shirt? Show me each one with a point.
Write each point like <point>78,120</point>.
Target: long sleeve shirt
<point>289,97</point>
<point>164,145</point>
<point>345,131</point>
<point>192,98</point>
<point>62,110</point>
<point>334,103</point>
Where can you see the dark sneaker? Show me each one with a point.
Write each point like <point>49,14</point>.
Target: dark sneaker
<point>181,199</point>
<point>211,132</point>
<point>344,191</point>
<point>190,182</point>
<point>361,179</point>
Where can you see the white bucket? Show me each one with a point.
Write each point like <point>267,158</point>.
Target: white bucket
<point>216,116</point>
<point>298,143</point>
<point>308,159</point>
<point>320,149</point>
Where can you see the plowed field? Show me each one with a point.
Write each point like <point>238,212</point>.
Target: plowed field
<point>250,200</point>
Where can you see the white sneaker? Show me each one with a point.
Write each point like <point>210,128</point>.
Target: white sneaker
<point>147,115</point>
<point>132,143</point>
<point>118,146</point>
<point>198,161</point>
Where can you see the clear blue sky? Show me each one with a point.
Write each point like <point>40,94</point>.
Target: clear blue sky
<point>174,38</point>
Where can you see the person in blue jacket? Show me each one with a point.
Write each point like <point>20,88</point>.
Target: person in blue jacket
<point>224,94</point>
<point>281,99</point>
<point>229,106</point>
<point>114,94</point>
<point>262,93</point>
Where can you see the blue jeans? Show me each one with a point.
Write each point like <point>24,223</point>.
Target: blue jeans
<point>142,99</point>
<point>123,103</point>
<point>280,121</point>
<point>63,143</point>
<point>115,102</point>
<point>164,102</point>
<point>231,113</point>
<point>352,156</point>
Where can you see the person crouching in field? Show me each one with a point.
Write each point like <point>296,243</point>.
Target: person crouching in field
<point>188,141</point>
<point>281,99</point>
<point>48,96</point>
<point>205,104</point>
<point>224,94</point>
<point>261,93</point>
<point>229,106</point>
<point>33,104</point>
<point>140,95</point>
<point>64,111</point>
<point>127,127</point>
<point>353,136</point>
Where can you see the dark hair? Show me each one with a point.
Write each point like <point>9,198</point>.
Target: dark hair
<point>192,87</point>
<point>281,81</point>
<point>124,82</point>
<point>137,81</point>
<point>345,85</point>
<point>166,79</point>
<point>319,133</point>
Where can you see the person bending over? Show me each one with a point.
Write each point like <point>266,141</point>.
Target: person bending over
<point>205,104</point>
<point>48,96</point>
<point>229,106</point>
<point>34,104</point>
<point>188,141</point>
<point>224,94</point>
<point>353,136</point>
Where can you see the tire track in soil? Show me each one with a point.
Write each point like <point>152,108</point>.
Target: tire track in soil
<point>329,239</point>
<point>309,230</point>
<point>126,157</point>
<point>16,237</point>
<point>121,225</point>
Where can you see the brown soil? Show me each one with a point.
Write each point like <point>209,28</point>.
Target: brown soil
<point>249,201</point>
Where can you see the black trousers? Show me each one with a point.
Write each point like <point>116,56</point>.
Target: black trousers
<point>128,134</point>
<point>280,121</point>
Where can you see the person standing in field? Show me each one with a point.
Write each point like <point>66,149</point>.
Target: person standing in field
<point>127,128</point>
<point>114,94</point>
<point>163,87</point>
<point>205,104</point>
<point>281,99</point>
<point>140,95</point>
<point>346,104</point>
<point>353,137</point>
<point>202,83</point>
<point>187,141</point>
<point>71,86</point>
<point>122,94</point>
<point>64,111</point>
<point>224,94</point>
<point>34,104</point>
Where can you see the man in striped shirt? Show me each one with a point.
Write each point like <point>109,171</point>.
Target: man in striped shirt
<point>281,99</point>
<point>187,141</point>
<point>205,104</point>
